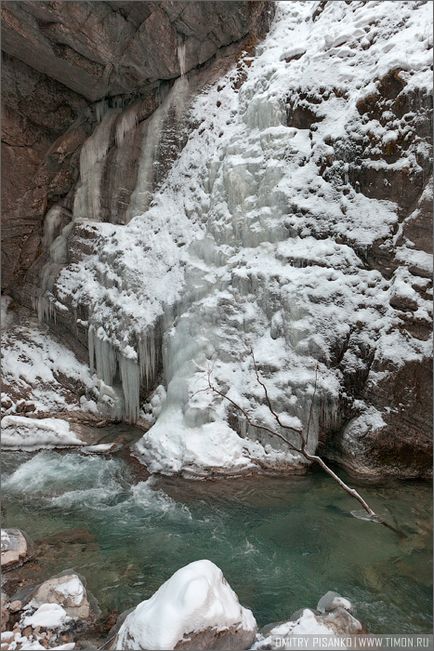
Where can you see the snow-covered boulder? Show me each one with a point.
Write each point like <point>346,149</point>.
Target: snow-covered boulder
<point>67,591</point>
<point>332,617</point>
<point>14,547</point>
<point>49,615</point>
<point>21,433</point>
<point>195,609</point>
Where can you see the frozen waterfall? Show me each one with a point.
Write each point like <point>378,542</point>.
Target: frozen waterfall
<point>246,244</point>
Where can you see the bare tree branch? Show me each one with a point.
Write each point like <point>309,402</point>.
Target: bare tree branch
<point>248,417</point>
<point>300,450</point>
<point>267,398</point>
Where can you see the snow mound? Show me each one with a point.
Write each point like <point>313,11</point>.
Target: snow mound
<point>48,616</point>
<point>171,447</point>
<point>195,599</point>
<point>20,433</point>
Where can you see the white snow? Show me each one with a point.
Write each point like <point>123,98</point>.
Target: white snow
<point>34,364</point>
<point>73,590</point>
<point>281,636</point>
<point>99,448</point>
<point>48,616</point>
<point>195,598</point>
<point>171,447</point>
<point>20,433</point>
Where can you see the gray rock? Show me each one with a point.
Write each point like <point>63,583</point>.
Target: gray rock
<point>66,590</point>
<point>14,548</point>
<point>331,601</point>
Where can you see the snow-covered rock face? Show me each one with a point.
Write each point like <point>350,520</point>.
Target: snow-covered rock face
<point>194,609</point>
<point>291,224</point>
<point>40,374</point>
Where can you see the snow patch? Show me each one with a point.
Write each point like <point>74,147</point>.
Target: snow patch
<point>20,433</point>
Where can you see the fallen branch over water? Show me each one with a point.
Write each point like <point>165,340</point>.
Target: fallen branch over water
<point>302,446</point>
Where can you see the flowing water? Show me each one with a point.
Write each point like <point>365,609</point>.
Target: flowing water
<point>281,543</point>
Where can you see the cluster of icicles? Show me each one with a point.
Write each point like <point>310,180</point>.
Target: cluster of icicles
<point>121,376</point>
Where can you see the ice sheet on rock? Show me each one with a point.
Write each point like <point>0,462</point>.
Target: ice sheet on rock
<point>21,433</point>
<point>256,248</point>
<point>195,598</point>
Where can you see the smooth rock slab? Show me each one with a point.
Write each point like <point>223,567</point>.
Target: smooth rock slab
<point>14,548</point>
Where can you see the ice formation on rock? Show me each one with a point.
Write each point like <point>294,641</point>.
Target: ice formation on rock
<point>259,239</point>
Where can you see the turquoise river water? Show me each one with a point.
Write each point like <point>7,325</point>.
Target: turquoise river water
<point>281,543</point>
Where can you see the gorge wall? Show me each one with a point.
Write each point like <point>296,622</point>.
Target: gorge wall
<point>64,66</point>
<point>179,192</point>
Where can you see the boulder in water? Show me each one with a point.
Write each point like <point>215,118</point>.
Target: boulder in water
<point>332,600</point>
<point>66,590</point>
<point>195,609</point>
<point>333,617</point>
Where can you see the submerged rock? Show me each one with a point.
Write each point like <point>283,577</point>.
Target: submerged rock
<point>14,548</point>
<point>195,609</point>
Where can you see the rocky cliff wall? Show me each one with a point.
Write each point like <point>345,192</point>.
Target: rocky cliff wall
<point>64,66</point>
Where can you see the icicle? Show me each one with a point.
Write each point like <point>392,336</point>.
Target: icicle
<point>149,347</point>
<point>55,219</point>
<point>105,358</point>
<point>181,57</point>
<point>126,122</point>
<point>171,110</point>
<point>101,109</point>
<point>141,197</point>
<point>130,375</point>
<point>96,146</point>
<point>87,200</point>
<point>91,347</point>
